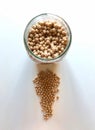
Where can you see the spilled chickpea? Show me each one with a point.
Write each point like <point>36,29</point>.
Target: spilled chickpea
<point>47,88</point>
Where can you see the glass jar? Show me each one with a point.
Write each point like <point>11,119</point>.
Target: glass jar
<point>45,17</point>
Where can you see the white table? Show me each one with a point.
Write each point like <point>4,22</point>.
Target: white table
<point>19,105</point>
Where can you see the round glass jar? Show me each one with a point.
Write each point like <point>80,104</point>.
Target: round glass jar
<point>46,17</point>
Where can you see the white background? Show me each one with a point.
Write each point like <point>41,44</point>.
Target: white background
<point>19,105</point>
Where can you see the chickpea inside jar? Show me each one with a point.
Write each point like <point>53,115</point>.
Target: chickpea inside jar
<point>47,38</point>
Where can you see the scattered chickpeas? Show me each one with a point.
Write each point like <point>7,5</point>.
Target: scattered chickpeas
<point>46,86</point>
<point>47,35</point>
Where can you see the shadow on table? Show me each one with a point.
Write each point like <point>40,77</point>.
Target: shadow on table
<point>54,67</point>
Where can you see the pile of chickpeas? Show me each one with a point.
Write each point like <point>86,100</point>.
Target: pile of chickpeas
<point>47,39</point>
<point>47,87</point>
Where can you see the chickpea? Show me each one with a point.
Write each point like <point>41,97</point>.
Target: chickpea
<point>29,39</point>
<point>62,49</point>
<point>64,33</point>
<point>32,30</point>
<point>37,35</point>
<point>31,35</point>
<point>38,26</point>
<point>41,48</point>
